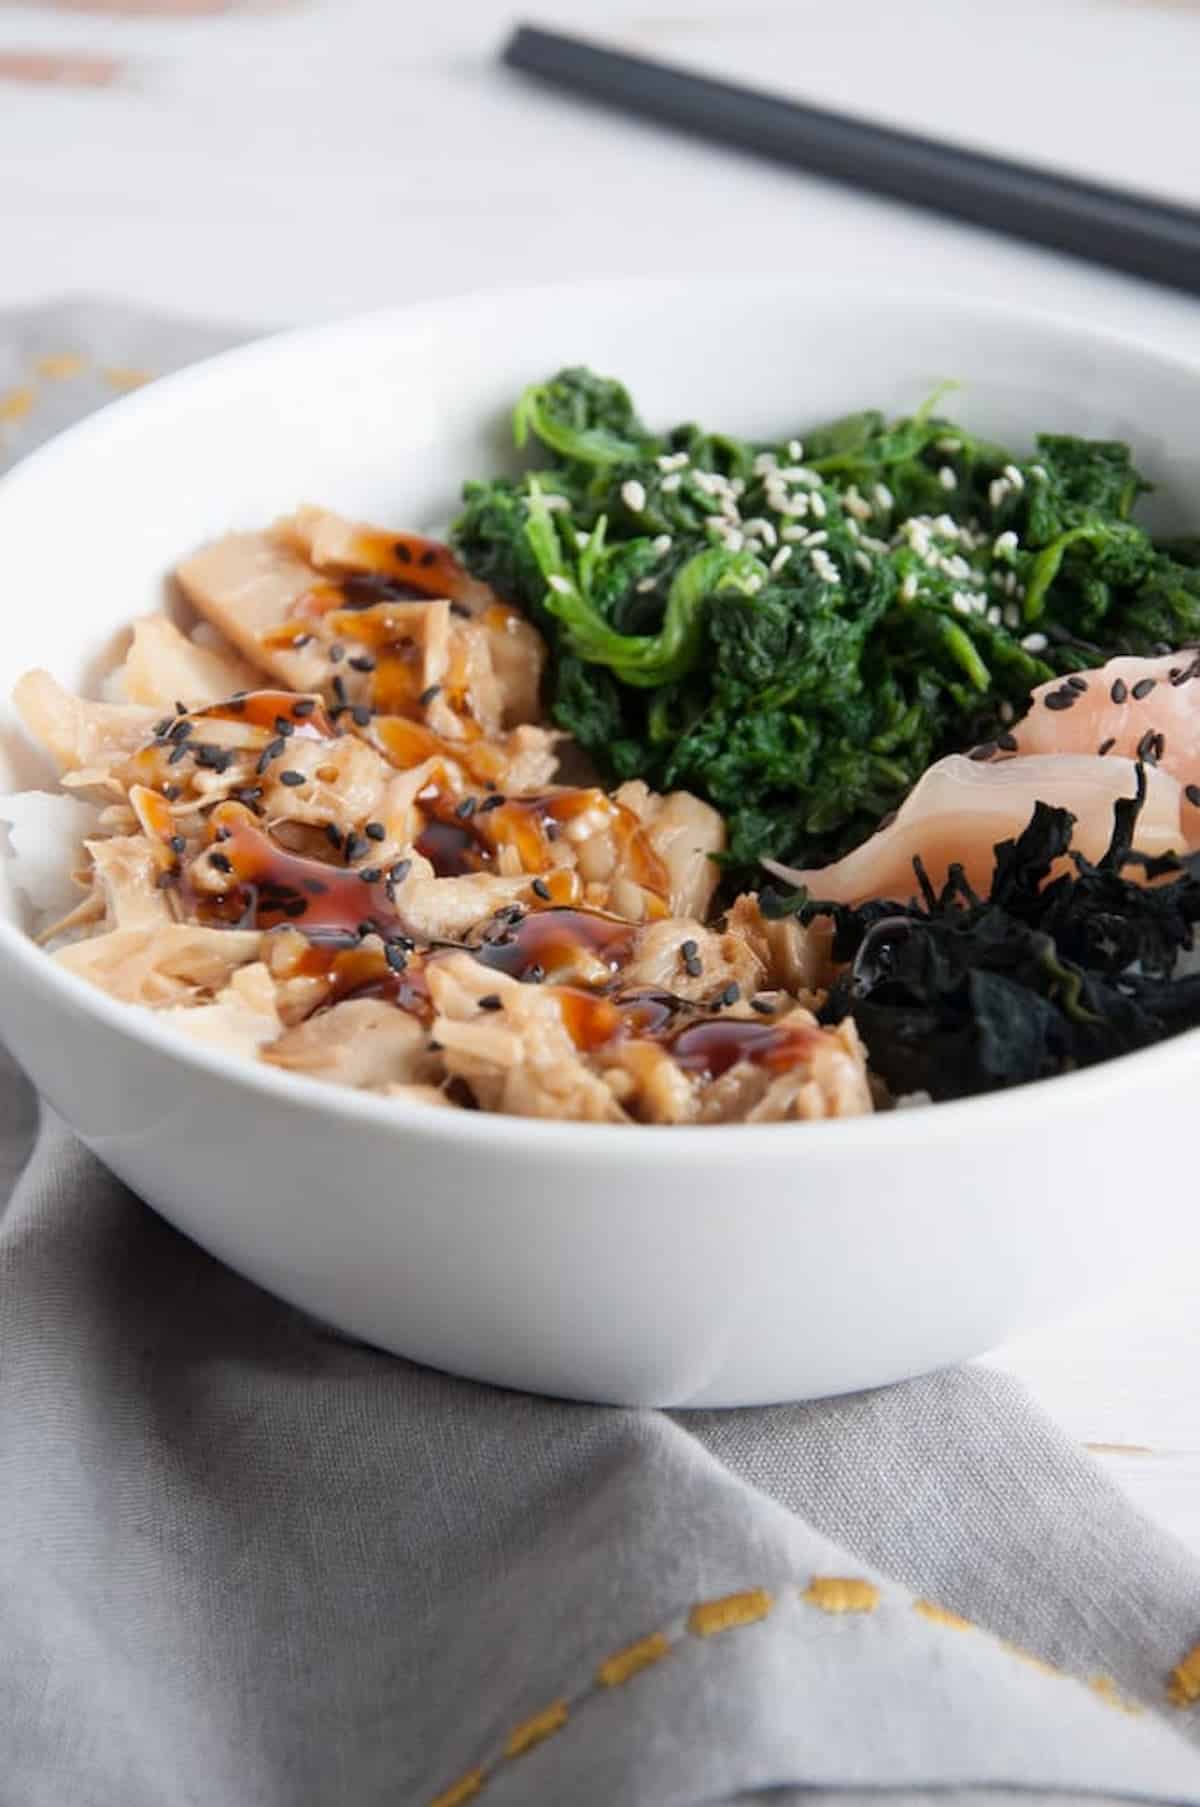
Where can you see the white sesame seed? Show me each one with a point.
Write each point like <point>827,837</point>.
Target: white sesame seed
<point>733,540</point>
<point>993,616</point>
<point>661,545</point>
<point>883,497</point>
<point>799,534</point>
<point>671,483</point>
<point>824,566</point>
<point>857,505</point>
<point>1040,472</point>
<point>737,486</point>
<point>781,558</point>
<point>800,473</point>
<point>853,529</point>
<point>874,545</point>
<point>956,567</point>
<point>795,450</point>
<point>949,445</point>
<point>633,495</point>
<point>765,463</point>
<point>960,604</point>
<point>998,490</point>
<point>947,526</point>
<point>908,589</point>
<point>1012,615</point>
<point>817,539</point>
<point>1010,583</point>
<point>672,461</point>
<point>1034,643</point>
<point>1005,544</point>
<point>754,583</point>
<point>1007,712</point>
<point>555,503</point>
<point>559,584</point>
<point>863,561</point>
<point>1014,477</point>
<point>816,503</point>
<point>581,538</point>
<point>946,478</point>
<point>646,583</point>
<point>762,528</point>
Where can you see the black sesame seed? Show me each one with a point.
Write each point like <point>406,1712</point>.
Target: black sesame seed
<point>302,640</point>
<point>285,726</point>
<point>353,846</point>
<point>213,759</point>
<point>693,966</point>
<point>177,753</point>
<point>428,558</point>
<point>339,688</point>
<point>492,802</point>
<point>396,957</point>
<point>400,871</point>
<point>250,794</point>
<point>367,927</point>
<point>541,889</point>
<point>375,831</point>
<point>985,751</point>
<point>236,705</point>
<point>1075,682</point>
<point>1192,793</point>
<point>181,730</point>
<point>221,861</point>
<point>1106,746</point>
<point>1061,699</point>
<point>731,993</point>
<point>689,949</point>
<point>304,707</point>
<point>170,792</point>
<point>361,715</point>
<point>274,748</point>
<point>297,907</point>
<point>465,809</point>
<point>403,552</point>
<point>223,834</point>
<point>460,609</point>
<point>534,974</point>
<point>1142,689</point>
<point>551,830</point>
<point>264,760</point>
<point>180,708</point>
<point>333,835</point>
<point>370,875</point>
<point>337,651</point>
<point>177,844</point>
<point>427,695</point>
<point>1147,747</point>
<point>362,662</point>
<point>491,1001</point>
<point>291,778</point>
<point>161,727</point>
<point>763,1006</point>
<point>1007,742</point>
<point>1119,692</point>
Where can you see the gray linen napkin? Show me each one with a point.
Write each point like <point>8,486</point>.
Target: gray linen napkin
<point>247,1563</point>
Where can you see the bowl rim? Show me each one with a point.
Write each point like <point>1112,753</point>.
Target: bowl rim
<point>598,1141</point>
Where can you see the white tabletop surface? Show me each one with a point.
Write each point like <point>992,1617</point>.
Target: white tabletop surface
<point>268,162</point>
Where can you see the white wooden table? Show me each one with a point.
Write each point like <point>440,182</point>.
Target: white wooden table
<point>260,163</point>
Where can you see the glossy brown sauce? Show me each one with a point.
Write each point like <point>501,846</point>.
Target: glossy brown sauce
<point>455,845</point>
<point>265,709</point>
<point>269,886</point>
<point>548,943</point>
<point>712,1048</point>
<point>364,972</point>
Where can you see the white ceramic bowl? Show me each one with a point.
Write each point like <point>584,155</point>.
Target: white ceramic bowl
<point>712,1266</point>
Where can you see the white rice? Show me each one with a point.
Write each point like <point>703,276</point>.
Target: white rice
<point>40,837</point>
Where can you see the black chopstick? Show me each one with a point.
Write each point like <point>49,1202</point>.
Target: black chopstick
<point>1126,231</point>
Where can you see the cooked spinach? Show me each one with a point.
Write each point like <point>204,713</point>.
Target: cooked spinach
<point>955,993</point>
<point>796,630</point>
